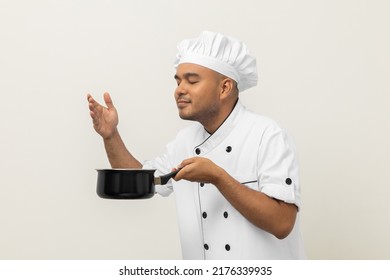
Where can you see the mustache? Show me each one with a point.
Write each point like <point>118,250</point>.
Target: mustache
<point>183,99</point>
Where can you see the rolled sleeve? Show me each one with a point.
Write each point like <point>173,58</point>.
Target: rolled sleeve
<point>278,170</point>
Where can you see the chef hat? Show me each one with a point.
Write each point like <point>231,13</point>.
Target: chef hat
<point>223,54</point>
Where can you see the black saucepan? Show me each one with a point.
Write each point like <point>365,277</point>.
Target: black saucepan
<point>129,183</point>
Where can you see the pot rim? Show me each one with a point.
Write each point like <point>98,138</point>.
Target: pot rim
<point>126,169</point>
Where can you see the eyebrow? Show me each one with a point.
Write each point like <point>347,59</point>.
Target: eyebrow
<point>187,75</point>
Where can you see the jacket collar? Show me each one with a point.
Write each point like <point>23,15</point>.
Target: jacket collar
<point>210,141</point>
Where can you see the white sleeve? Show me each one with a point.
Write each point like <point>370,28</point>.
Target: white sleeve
<point>163,165</point>
<point>278,170</point>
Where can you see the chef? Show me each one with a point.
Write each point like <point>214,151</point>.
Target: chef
<point>237,189</point>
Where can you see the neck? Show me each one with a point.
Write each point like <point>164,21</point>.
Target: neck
<point>213,124</point>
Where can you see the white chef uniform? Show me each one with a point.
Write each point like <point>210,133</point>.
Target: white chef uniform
<point>259,154</point>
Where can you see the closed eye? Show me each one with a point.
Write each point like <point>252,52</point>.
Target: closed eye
<point>191,78</point>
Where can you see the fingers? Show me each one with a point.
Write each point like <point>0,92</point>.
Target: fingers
<point>90,99</point>
<point>95,110</point>
<point>198,169</point>
<point>108,101</point>
<point>105,119</point>
<point>92,103</point>
<point>185,163</point>
<point>183,172</point>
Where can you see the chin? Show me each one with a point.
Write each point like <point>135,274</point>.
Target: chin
<point>186,117</point>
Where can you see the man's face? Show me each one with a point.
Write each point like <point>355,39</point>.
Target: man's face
<point>198,93</point>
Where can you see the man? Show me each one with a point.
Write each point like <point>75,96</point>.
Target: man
<point>237,190</point>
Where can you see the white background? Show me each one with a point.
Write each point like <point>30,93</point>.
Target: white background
<point>324,75</point>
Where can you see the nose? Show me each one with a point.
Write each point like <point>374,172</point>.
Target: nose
<point>180,90</point>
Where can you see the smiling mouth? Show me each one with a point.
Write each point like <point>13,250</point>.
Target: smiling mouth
<point>182,102</point>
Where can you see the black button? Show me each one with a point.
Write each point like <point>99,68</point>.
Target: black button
<point>225,214</point>
<point>288,181</point>
<point>204,215</point>
<point>228,149</point>
<point>201,184</point>
<point>206,246</point>
<point>197,151</point>
<point>227,247</point>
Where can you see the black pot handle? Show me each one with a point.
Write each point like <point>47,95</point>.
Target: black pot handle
<point>163,179</point>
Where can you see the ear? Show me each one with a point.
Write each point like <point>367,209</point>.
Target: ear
<point>227,88</point>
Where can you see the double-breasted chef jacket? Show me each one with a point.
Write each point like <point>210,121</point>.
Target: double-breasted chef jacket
<point>260,155</point>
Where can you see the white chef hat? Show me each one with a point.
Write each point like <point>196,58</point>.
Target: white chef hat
<point>223,54</point>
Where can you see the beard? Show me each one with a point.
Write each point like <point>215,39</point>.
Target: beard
<point>205,115</point>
